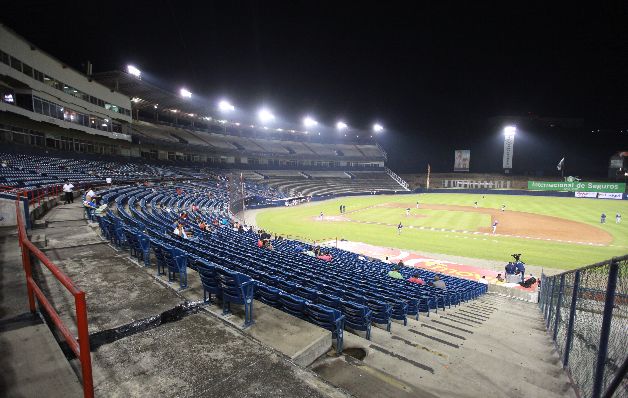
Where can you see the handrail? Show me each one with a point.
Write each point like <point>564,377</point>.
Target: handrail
<point>80,345</point>
<point>398,179</point>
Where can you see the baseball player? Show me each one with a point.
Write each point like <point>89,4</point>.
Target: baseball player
<point>408,212</point>
<point>399,228</point>
<point>495,226</point>
<point>617,218</point>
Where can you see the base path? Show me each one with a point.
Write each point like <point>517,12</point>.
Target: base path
<point>420,261</point>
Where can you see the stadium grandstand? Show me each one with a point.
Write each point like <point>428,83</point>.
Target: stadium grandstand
<point>158,281</point>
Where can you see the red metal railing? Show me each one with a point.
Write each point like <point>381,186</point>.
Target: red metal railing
<point>79,346</point>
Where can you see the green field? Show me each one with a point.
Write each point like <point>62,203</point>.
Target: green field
<point>301,222</point>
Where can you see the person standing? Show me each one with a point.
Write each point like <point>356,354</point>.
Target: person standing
<point>68,192</point>
<point>417,204</point>
<point>495,226</point>
<point>399,228</point>
<point>603,218</point>
<point>408,212</point>
<point>617,218</point>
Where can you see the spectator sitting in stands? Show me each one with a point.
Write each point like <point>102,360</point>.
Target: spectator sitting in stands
<point>309,252</point>
<point>240,228</point>
<point>397,267</point>
<point>325,257</point>
<point>298,248</point>
<point>528,282</point>
<point>394,273</point>
<point>416,279</point>
<point>438,283</point>
<point>483,280</point>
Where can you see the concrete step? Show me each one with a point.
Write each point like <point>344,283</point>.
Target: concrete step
<point>33,364</point>
<point>364,381</point>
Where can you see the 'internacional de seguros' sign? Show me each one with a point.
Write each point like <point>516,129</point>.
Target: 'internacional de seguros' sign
<point>580,186</point>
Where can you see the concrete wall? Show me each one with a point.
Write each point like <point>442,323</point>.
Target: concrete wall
<point>8,217</point>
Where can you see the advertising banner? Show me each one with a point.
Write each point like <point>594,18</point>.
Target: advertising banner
<point>509,142</point>
<point>603,195</point>
<point>462,158</point>
<point>577,186</point>
<point>586,194</point>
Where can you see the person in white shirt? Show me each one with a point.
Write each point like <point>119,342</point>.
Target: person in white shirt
<point>67,189</point>
<point>483,280</point>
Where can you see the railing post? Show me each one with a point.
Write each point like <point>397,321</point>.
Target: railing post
<point>549,305</point>
<point>572,318</point>
<point>84,349</point>
<point>558,303</point>
<point>606,329</point>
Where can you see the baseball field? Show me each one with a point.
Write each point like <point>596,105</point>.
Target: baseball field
<point>562,233</point>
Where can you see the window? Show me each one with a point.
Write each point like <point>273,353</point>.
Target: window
<point>37,75</point>
<point>93,100</point>
<point>4,57</point>
<point>27,70</point>
<point>16,64</point>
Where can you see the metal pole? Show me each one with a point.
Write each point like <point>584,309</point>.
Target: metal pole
<point>83,341</point>
<point>606,329</point>
<point>572,318</point>
<point>558,303</point>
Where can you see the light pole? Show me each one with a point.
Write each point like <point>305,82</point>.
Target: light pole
<point>509,142</point>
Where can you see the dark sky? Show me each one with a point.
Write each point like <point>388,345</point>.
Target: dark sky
<point>432,73</point>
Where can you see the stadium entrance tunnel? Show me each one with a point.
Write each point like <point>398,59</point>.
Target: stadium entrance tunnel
<point>174,314</point>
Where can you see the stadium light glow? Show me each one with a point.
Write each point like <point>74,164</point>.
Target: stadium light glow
<point>510,131</point>
<point>225,106</point>
<point>309,122</point>
<point>185,93</point>
<point>341,126</point>
<point>378,128</point>
<point>265,115</point>
<point>132,70</point>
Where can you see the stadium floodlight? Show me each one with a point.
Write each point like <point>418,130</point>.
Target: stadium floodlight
<point>225,106</point>
<point>132,70</point>
<point>185,93</point>
<point>341,126</point>
<point>309,122</point>
<point>510,131</point>
<point>265,115</point>
<point>378,128</point>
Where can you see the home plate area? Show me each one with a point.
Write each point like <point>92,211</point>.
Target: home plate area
<point>419,261</point>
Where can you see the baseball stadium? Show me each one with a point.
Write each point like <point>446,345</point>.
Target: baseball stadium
<point>160,239</point>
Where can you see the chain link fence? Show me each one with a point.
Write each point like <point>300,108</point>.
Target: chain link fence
<point>586,313</point>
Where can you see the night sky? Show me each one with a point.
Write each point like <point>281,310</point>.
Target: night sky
<point>432,73</point>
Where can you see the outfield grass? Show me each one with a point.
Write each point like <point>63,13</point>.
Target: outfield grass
<point>301,221</point>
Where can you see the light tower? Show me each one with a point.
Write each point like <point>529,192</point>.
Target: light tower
<point>509,142</point>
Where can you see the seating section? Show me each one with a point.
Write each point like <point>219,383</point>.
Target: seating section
<point>348,293</point>
<point>328,183</point>
<point>33,171</point>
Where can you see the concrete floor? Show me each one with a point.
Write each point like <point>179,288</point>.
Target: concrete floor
<point>202,354</point>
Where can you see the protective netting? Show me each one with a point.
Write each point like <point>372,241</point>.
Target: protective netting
<point>555,302</point>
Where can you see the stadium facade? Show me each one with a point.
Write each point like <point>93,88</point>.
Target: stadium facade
<point>48,105</point>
